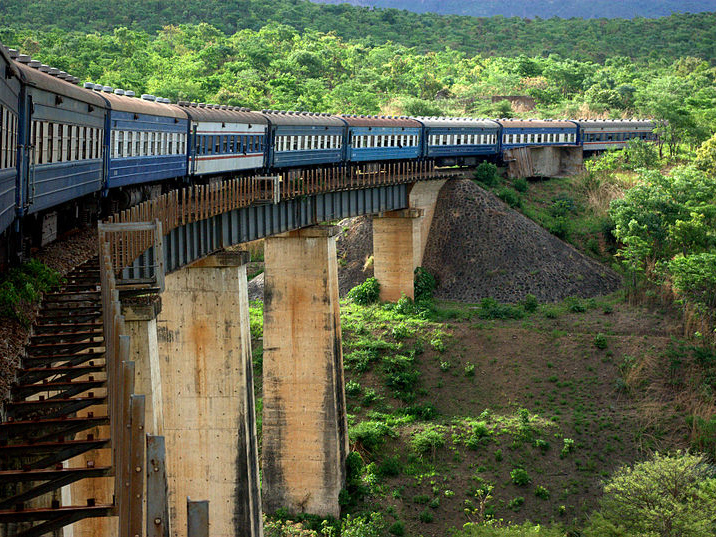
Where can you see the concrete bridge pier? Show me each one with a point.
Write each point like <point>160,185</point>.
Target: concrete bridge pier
<point>207,395</point>
<point>304,420</point>
<point>397,251</point>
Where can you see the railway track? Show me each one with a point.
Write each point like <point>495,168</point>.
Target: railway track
<point>57,406</point>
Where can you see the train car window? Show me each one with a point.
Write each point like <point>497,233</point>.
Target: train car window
<point>4,137</point>
<point>76,143</point>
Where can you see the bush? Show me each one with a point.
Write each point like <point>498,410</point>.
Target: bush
<point>369,434</point>
<point>491,309</point>
<point>516,503</point>
<point>397,529</point>
<point>25,284</point>
<point>600,341</point>
<point>372,525</point>
<point>421,499</point>
<point>428,440</point>
<point>497,529</point>
<point>487,174</point>
<point>664,496</point>
<point>542,493</point>
<point>520,477</point>
<point>424,285</point>
<point>510,197</point>
<point>559,227</point>
<point>530,303</point>
<point>469,370</point>
<point>353,388</point>
<point>426,517</point>
<point>567,447</point>
<point>521,184</point>
<point>390,467</point>
<point>366,293</point>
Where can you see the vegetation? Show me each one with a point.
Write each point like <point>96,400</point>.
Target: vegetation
<point>22,286</point>
<point>595,40</point>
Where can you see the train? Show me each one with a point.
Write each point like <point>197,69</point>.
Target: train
<point>70,152</point>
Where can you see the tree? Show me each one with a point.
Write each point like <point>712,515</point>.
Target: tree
<point>666,496</point>
<point>706,156</point>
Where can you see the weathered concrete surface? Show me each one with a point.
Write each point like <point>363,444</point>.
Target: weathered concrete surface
<point>550,161</point>
<point>424,195</point>
<point>304,420</point>
<point>140,323</point>
<point>208,396</point>
<point>397,251</point>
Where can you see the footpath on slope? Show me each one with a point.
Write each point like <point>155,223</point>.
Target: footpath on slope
<point>479,247</point>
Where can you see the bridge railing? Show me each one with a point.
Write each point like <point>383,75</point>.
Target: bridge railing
<point>199,202</point>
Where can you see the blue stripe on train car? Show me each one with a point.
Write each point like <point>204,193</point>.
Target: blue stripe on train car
<point>53,184</point>
<point>130,170</point>
<point>7,197</point>
<point>391,152</point>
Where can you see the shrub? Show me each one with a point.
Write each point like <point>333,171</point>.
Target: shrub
<point>360,359</point>
<point>434,503</point>
<point>520,477</point>
<point>559,227</point>
<point>542,493</point>
<point>369,396</point>
<point>542,445</point>
<point>445,366</point>
<point>390,467</point>
<point>492,309</point>
<point>469,370</point>
<point>530,303</point>
<point>426,517</point>
<point>567,447</point>
<point>521,184</point>
<point>372,525</point>
<point>369,434</point>
<point>428,440</point>
<point>486,173</point>
<point>401,331</point>
<point>366,293</point>
<point>600,341</point>
<point>510,197</point>
<point>25,284</point>
<point>397,529</point>
<point>353,388</point>
<point>516,503</point>
<point>421,499</point>
<point>424,285</point>
<point>664,496</point>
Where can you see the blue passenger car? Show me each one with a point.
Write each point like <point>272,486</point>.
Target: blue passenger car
<point>9,93</point>
<point>147,140</point>
<point>372,138</point>
<point>61,127</point>
<point>602,135</point>
<point>460,140</point>
<point>301,139</point>
<point>522,133</point>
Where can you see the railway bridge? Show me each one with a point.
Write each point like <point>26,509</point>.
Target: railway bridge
<point>180,410</point>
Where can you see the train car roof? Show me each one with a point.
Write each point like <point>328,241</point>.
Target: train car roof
<point>8,61</point>
<point>136,105</point>
<point>457,122</point>
<point>35,77</point>
<point>379,121</point>
<point>536,123</point>
<point>618,123</point>
<point>307,119</point>
<point>217,113</point>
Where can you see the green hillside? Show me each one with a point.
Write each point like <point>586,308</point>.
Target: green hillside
<point>660,39</point>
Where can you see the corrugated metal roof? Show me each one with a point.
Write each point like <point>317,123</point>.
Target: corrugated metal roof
<point>308,119</point>
<point>122,103</point>
<point>616,124</point>
<point>223,115</point>
<point>378,121</point>
<point>457,122</point>
<point>56,85</point>
<point>536,124</point>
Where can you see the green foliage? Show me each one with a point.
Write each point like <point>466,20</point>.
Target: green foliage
<point>370,434</point>
<point>469,369</point>
<point>664,496</point>
<point>366,293</point>
<point>353,388</point>
<point>371,525</point>
<point>497,529</point>
<point>567,447</point>
<point>542,493</point>
<point>521,185</point>
<point>424,285</point>
<point>428,440</point>
<point>24,285</point>
<point>397,528</point>
<point>530,303</point>
<point>706,157</point>
<point>487,174</point>
<point>516,503</point>
<point>520,477</point>
<point>510,197</point>
<point>390,467</point>
<point>426,517</point>
<point>600,341</point>
<point>490,308</point>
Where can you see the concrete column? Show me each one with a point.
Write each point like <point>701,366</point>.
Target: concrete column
<point>424,195</point>
<point>140,323</point>
<point>397,252</point>
<point>304,420</point>
<point>208,395</point>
